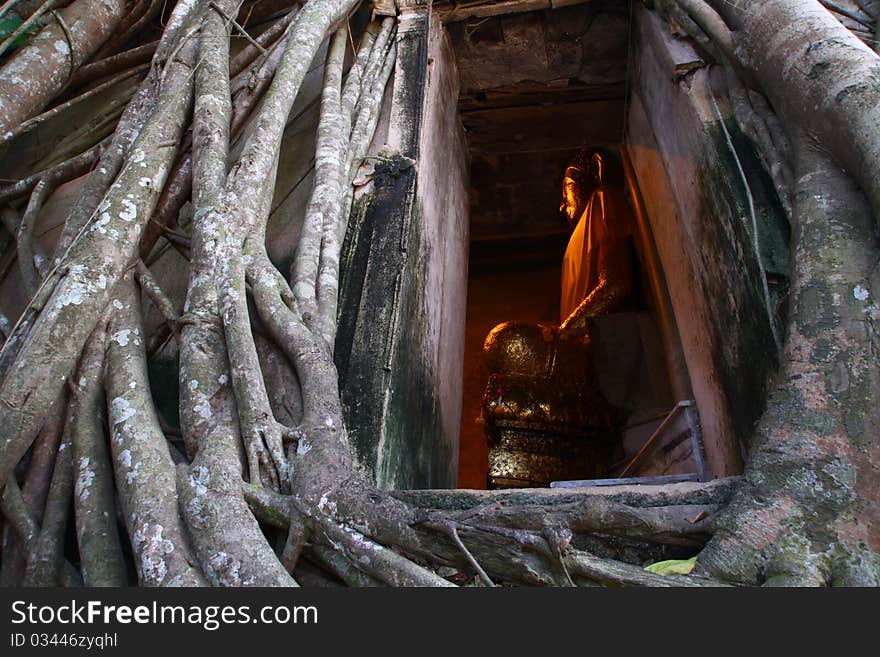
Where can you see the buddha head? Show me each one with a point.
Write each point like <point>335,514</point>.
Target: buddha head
<point>587,170</point>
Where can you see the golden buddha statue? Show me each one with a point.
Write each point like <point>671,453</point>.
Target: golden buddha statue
<point>545,416</point>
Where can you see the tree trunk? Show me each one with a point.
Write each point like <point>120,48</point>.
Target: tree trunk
<point>820,78</point>
<point>807,514</point>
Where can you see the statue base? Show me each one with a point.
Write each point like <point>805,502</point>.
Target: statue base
<point>532,459</point>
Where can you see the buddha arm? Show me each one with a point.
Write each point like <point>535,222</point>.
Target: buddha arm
<point>615,286</point>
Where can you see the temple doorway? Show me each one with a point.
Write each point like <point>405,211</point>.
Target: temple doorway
<point>535,88</point>
<point>490,102</point>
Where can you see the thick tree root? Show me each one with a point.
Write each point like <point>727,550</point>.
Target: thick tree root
<point>268,488</point>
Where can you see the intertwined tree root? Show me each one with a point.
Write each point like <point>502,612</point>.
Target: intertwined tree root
<point>252,492</point>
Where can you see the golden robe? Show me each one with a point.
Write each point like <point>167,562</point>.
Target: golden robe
<point>606,218</point>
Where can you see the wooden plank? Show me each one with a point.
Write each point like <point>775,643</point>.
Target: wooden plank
<point>454,13</point>
<point>699,450</point>
<point>542,128</point>
<point>662,436</point>
<point>523,94</point>
<point>482,9</point>
<point>384,8</point>
<point>662,480</point>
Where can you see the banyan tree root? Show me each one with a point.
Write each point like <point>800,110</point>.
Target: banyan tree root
<point>257,488</point>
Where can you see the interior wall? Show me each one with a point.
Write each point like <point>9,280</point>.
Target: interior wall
<point>443,199</point>
<point>535,88</point>
<point>699,216</point>
<point>504,284</point>
<point>399,347</point>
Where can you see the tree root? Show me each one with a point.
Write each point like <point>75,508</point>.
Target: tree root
<point>260,412</point>
<point>799,521</point>
<point>101,559</point>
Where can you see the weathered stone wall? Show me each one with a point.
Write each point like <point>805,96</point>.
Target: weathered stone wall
<point>399,351</point>
<point>698,208</point>
<point>442,196</point>
<point>571,46</point>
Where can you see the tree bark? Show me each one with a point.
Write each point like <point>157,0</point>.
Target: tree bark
<point>820,78</point>
<point>807,514</point>
<point>37,72</point>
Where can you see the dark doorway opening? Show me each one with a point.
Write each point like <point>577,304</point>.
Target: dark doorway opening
<point>535,87</point>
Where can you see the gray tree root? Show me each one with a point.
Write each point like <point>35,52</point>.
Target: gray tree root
<point>82,283</point>
<point>268,490</point>
<point>145,472</point>
<point>101,560</point>
<point>39,70</point>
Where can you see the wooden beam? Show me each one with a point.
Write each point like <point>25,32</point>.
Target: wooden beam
<point>530,93</point>
<point>384,8</point>
<point>542,128</point>
<point>449,13</point>
<point>662,480</point>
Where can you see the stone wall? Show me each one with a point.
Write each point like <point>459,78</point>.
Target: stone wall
<point>443,198</point>
<point>401,339</point>
<point>536,86</point>
<point>680,139</point>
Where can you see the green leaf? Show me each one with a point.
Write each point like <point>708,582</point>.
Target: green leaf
<point>673,566</point>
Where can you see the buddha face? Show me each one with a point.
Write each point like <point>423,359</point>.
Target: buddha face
<point>597,169</point>
<point>572,198</point>
<point>577,184</point>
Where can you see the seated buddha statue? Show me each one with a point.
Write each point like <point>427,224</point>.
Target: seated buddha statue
<point>544,414</point>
